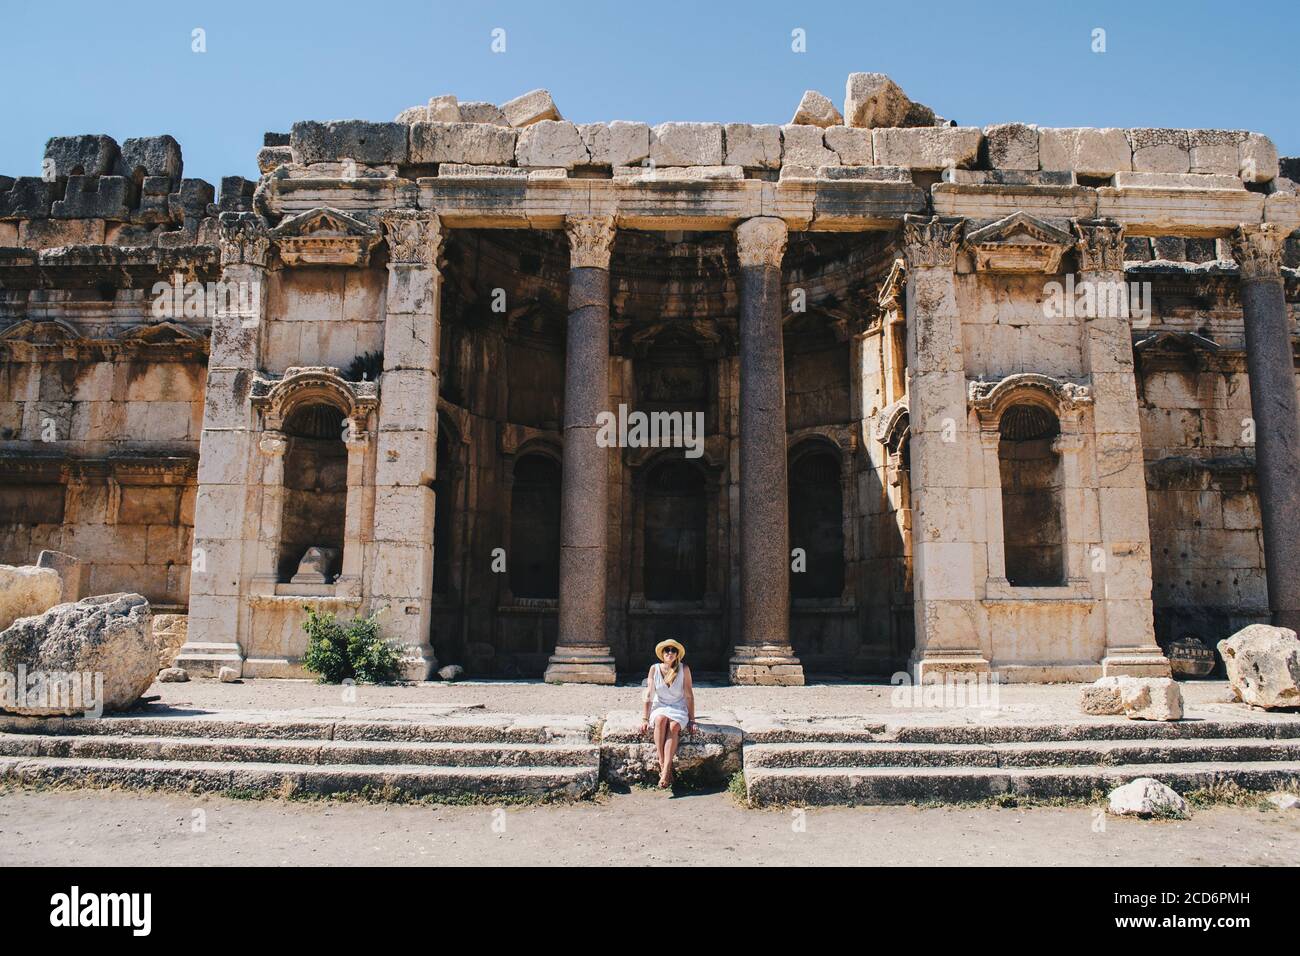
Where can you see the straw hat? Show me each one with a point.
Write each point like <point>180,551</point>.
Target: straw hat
<point>659,649</point>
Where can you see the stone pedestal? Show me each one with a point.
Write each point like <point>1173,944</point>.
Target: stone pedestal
<point>950,620</point>
<point>764,654</point>
<point>1122,579</point>
<point>1270,362</point>
<point>582,652</point>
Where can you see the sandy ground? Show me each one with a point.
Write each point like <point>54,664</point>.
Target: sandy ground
<point>1015,702</point>
<point>640,828</point>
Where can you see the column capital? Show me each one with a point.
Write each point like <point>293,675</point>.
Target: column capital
<point>273,443</point>
<point>1101,245</point>
<point>414,236</point>
<point>761,241</point>
<point>931,243</point>
<point>591,240</point>
<point>244,239</point>
<point>1257,247</point>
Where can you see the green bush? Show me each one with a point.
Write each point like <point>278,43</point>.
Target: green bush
<point>342,650</point>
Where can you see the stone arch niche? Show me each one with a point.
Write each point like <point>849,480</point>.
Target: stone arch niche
<point>534,556</point>
<point>676,512</point>
<point>314,500</point>
<point>1030,471</point>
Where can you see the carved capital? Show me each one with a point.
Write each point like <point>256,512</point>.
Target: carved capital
<point>414,236</point>
<point>273,443</point>
<point>1257,248</point>
<point>1101,245</point>
<point>931,243</point>
<point>244,239</point>
<point>591,240</point>
<point>761,241</point>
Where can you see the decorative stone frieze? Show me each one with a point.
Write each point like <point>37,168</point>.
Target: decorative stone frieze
<point>1101,245</point>
<point>414,236</point>
<point>244,239</point>
<point>931,243</point>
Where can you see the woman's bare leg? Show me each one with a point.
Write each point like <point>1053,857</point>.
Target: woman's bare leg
<point>670,749</point>
<point>661,732</point>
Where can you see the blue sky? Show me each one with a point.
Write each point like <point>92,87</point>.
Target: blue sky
<point>127,69</point>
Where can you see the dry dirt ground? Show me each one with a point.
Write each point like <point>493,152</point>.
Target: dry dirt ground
<point>643,827</point>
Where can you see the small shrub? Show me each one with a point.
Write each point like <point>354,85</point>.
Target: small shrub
<point>351,650</point>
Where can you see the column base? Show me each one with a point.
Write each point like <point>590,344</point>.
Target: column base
<point>932,666</point>
<point>418,663</point>
<point>1135,662</point>
<point>206,658</point>
<point>581,664</point>
<point>772,665</point>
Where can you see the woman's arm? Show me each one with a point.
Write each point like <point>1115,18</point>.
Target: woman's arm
<point>688,688</point>
<point>647,697</point>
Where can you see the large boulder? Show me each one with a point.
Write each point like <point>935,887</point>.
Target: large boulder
<point>1263,664</point>
<point>1146,797</point>
<point>27,590</point>
<point>1137,698</point>
<point>109,635</point>
<point>873,100</point>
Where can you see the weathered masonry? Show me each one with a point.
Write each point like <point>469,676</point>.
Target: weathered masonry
<point>1011,399</point>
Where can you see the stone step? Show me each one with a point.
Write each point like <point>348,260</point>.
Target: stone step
<point>1018,754</point>
<point>477,728</point>
<point>848,730</point>
<point>848,786</point>
<point>282,779</point>
<point>308,752</point>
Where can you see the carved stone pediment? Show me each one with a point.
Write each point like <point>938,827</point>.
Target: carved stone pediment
<point>991,398</point>
<point>41,332</point>
<point>161,333</point>
<point>892,424</point>
<point>276,398</point>
<point>325,237</point>
<point>1019,243</point>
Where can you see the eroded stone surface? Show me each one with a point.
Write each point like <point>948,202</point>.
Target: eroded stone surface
<point>1263,664</point>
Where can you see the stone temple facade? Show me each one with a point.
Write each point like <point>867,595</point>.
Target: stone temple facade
<point>1012,399</point>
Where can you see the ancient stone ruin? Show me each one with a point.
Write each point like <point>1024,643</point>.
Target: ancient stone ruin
<point>1010,399</point>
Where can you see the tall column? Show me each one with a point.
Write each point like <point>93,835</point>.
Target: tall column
<point>1122,571</point>
<point>225,512</point>
<point>948,560</point>
<point>407,444</point>
<point>764,654</point>
<point>1269,359</point>
<point>582,654</point>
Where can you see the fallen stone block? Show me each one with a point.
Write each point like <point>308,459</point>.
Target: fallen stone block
<point>551,143</point>
<point>1012,146</point>
<point>1090,152</point>
<point>173,675</point>
<point>451,672</point>
<point>1137,698</point>
<point>1146,797</point>
<point>816,109</point>
<point>686,144</point>
<point>475,144</point>
<point>371,143</point>
<point>753,146</point>
<point>927,148</point>
<point>26,590</point>
<point>228,675</point>
<point>1285,801</point>
<point>1263,664</point>
<point>873,100</point>
<point>532,107</point>
<point>109,635</point>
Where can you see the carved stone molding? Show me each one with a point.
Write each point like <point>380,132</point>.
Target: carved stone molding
<point>414,236</point>
<point>276,398</point>
<point>890,297</point>
<point>244,239</point>
<point>761,241</point>
<point>325,237</point>
<point>591,240</point>
<point>1101,245</point>
<point>931,243</point>
<point>273,443</point>
<point>991,398</point>
<point>1019,243</point>
<point>1257,247</point>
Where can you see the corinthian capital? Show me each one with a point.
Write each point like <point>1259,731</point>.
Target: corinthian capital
<point>414,236</point>
<point>1101,245</point>
<point>591,239</point>
<point>244,239</point>
<point>931,243</point>
<point>761,241</point>
<point>1257,247</point>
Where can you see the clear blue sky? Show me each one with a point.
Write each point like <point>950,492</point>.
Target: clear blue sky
<point>127,68</point>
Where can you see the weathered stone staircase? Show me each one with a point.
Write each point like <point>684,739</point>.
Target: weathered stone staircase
<point>854,762</point>
<point>448,755</point>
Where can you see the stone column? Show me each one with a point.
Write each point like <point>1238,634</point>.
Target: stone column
<point>948,559</point>
<point>273,445</point>
<point>226,509</point>
<point>764,654</point>
<point>582,653</point>
<point>401,579</point>
<point>357,441</point>
<point>1122,571</point>
<point>1270,362</point>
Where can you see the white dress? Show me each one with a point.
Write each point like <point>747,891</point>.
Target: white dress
<point>670,699</point>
